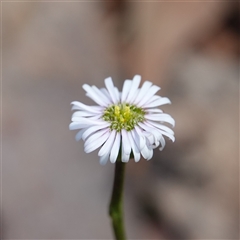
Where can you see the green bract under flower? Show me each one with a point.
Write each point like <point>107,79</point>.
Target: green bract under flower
<point>123,116</point>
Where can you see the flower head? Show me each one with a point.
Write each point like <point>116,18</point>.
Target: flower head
<point>123,124</point>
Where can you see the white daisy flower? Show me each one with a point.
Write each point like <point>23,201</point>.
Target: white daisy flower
<point>124,124</point>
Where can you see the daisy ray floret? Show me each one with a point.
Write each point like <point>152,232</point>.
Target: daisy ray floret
<point>124,124</point>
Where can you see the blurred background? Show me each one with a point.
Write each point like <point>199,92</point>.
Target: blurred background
<point>51,189</point>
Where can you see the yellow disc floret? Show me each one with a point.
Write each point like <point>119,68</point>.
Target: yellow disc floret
<point>123,116</point>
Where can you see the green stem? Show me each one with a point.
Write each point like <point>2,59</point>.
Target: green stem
<point>115,207</point>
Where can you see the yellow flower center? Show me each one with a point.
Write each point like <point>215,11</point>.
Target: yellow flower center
<point>123,116</point>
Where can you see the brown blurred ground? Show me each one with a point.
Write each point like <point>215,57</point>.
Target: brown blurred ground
<point>51,189</point>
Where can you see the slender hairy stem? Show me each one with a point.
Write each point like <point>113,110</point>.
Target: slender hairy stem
<point>115,208</point>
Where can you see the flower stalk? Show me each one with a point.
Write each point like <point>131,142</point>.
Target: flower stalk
<point>116,204</point>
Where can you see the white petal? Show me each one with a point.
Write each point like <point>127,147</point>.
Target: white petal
<point>153,89</point>
<point>135,95</point>
<point>95,97</point>
<point>152,141</point>
<point>103,159</point>
<point>150,149</point>
<point>125,90</point>
<point>136,139</point>
<point>156,144</point>
<point>146,153</point>
<point>169,135</point>
<point>143,91</point>
<point>81,106</point>
<point>96,136</point>
<point>135,84</point>
<point>134,147</point>
<point>106,148</point>
<point>163,117</point>
<point>83,114</point>
<point>125,157</point>
<point>93,129</point>
<point>88,121</point>
<point>78,125</point>
<point>164,130</point>
<point>139,138</point>
<point>158,102</point>
<point>117,94</point>
<point>150,138</point>
<point>149,129</point>
<point>153,98</point>
<point>126,147</point>
<point>106,99</point>
<point>110,88</point>
<point>79,134</point>
<point>153,131</point>
<point>150,154</point>
<point>153,110</point>
<point>96,143</point>
<point>115,148</point>
<point>97,117</point>
<point>125,142</point>
<point>161,127</point>
<point>163,142</point>
<point>105,92</point>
